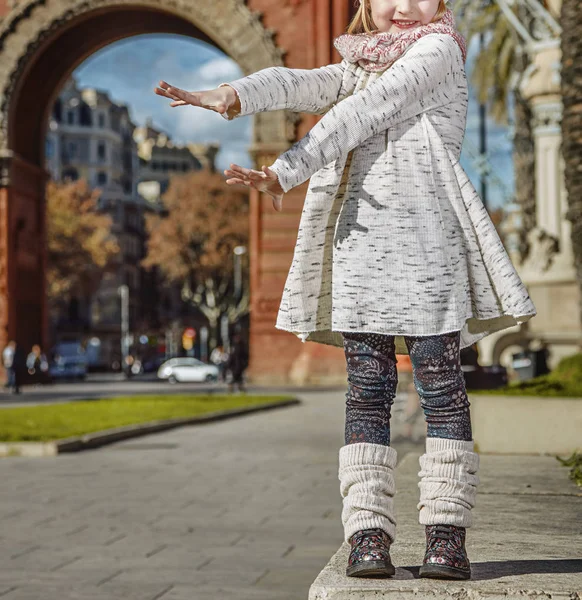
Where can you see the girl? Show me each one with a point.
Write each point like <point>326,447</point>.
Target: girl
<point>395,254</point>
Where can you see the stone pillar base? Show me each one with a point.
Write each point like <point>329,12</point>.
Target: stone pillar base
<point>289,361</point>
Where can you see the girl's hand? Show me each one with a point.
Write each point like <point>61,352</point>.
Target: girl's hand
<point>264,181</point>
<point>218,100</point>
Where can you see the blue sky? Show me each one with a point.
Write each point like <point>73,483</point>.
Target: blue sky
<point>128,71</point>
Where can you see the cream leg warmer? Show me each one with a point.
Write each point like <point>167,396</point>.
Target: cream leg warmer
<point>448,482</point>
<point>366,474</point>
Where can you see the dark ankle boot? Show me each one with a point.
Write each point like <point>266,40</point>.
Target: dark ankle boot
<point>370,554</point>
<point>445,557</point>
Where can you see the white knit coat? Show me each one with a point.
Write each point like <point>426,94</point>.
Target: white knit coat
<point>401,244</point>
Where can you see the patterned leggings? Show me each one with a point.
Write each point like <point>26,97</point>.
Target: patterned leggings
<point>372,379</point>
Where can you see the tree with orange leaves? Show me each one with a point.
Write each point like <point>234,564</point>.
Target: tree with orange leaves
<point>193,242</point>
<point>80,244</point>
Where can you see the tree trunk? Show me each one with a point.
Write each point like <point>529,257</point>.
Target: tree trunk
<point>213,335</point>
<point>571,82</point>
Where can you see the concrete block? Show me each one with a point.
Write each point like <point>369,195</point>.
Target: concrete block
<point>28,449</point>
<point>525,543</point>
<point>526,424</point>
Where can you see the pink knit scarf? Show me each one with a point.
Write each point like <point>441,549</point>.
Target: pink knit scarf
<point>378,51</point>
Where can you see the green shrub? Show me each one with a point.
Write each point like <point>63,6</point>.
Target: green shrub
<point>569,369</point>
<point>564,380</point>
<point>575,464</point>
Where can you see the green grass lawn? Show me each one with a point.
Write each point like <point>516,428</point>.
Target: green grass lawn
<point>564,380</point>
<point>57,421</point>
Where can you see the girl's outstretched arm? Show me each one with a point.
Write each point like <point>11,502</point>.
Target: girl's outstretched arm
<point>298,90</point>
<point>420,80</point>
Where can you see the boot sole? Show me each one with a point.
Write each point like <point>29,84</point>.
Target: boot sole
<point>442,572</point>
<point>371,568</point>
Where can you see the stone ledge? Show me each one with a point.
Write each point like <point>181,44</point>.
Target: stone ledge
<point>525,543</point>
<point>526,424</point>
<point>110,436</point>
<point>332,584</point>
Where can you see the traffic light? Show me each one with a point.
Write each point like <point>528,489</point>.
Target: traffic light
<point>188,338</point>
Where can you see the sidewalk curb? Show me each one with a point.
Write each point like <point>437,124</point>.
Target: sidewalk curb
<point>110,436</point>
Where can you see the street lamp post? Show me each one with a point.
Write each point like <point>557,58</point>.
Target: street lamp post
<point>204,344</point>
<point>124,293</point>
<point>483,134</point>
<point>238,252</point>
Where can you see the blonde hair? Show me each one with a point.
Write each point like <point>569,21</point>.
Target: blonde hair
<point>363,23</point>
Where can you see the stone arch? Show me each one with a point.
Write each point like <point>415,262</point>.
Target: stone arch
<point>33,26</point>
<point>41,42</point>
<point>506,341</point>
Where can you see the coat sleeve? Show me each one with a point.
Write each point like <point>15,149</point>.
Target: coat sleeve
<point>298,90</point>
<point>416,82</point>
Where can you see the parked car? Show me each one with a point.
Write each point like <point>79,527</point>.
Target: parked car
<point>484,378</point>
<point>68,362</point>
<point>187,369</point>
<point>151,365</point>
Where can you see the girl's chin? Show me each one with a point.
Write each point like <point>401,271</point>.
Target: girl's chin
<point>393,28</point>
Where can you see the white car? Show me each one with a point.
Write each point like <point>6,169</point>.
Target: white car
<point>184,369</point>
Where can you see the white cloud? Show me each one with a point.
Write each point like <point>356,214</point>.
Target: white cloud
<point>219,70</point>
<point>130,69</point>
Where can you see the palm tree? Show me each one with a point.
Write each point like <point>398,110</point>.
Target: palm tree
<point>492,77</point>
<point>571,82</point>
<point>497,70</point>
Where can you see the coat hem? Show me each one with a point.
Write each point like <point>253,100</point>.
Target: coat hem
<point>332,336</point>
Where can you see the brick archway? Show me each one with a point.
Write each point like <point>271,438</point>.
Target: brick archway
<point>42,42</point>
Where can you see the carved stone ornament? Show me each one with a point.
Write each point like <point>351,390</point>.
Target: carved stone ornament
<point>31,23</point>
<point>6,157</point>
<point>542,76</point>
<point>544,248</point>
<point>547,116</point>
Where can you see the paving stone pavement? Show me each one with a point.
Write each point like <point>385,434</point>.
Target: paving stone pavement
<point>247,508</point>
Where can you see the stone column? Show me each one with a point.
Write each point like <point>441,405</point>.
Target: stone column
<point>23,304</point>
<point>279,357</point>
<point>549,270</point>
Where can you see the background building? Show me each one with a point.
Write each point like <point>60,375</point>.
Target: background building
<point>159,159</point>
<point>93,138</point>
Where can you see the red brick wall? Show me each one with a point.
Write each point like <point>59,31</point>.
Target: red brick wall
<point>305,29</point>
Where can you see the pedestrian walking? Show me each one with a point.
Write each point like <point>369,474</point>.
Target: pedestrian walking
<point>237,363</point>
<point>37,365</point>
<point>14,363</point>
<point>8,362</point>
<point>395,253</point>
<point>219,357</point>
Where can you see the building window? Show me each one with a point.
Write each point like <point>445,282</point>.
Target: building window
<point>58,110</point>
<point>70,174</point>
<point>101,151</point>
<point>184,167</point>
<point>72,149</point>
<point>101,120</point>
<point>85,115</point>
<point>101,178</point>
<point>71,117</point>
